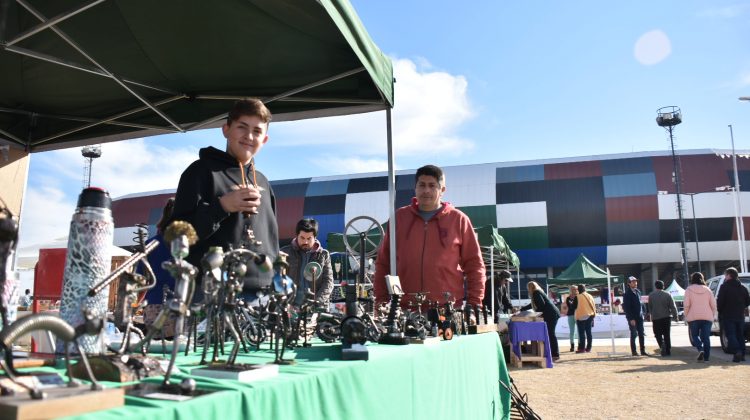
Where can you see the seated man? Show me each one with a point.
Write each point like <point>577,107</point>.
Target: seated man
<point>305,249</point>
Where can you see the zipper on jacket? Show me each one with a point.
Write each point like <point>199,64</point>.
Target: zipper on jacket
<point>421,267</point>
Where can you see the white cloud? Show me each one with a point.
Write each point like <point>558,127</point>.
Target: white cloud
<point>125,167</point>
<point>726,12</point>
<point>745,80</point>
<point>652,48</point>
<point>45,216</point>
<point>430,108</point>
<point>133,166</point>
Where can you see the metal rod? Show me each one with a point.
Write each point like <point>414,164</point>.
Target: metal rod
<point>119,81</point>
<point>695,234</point>
<point>678,182</point>
<point>740,220</point>
<point>314,84</point>
<point>81,67</point>
<point>391,192</point>
<point>105,121</point>
<point>53,21</point>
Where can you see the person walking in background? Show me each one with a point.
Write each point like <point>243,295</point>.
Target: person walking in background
<point>634,314</point>
<point>584,314</point>
<point>662,308</point>
<point>732,300</point>
<point>541,303</point>
<point>700,307</point>
<point>571,302</point>
<point>26,300</point>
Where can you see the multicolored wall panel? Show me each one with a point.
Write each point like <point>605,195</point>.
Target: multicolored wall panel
<point>616,209</point>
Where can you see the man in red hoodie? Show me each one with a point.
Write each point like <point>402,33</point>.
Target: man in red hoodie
<point>436,247</point>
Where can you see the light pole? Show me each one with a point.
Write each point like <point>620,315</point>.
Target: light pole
<point>695,225</point>
<point>738,204</point>
<point>668,117</point>
<point>737,221</point>
<point>695,230</point>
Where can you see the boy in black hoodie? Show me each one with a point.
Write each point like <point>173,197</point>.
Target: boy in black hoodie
<point>222,195</point>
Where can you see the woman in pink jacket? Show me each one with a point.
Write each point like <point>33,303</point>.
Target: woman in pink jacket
<point>700,307</point>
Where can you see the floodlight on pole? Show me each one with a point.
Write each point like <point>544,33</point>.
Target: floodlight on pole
<point>90,153</point>
<point>668,117</point>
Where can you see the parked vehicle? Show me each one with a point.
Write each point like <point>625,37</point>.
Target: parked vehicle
<point>714,283</point>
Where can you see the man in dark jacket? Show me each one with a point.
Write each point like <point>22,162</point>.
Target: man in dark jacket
<point>224,197</point>
<point>634,314</point>
<point>731,303</point>
<point>662,308</point>
<point>503,304</point>
<point>306,249</point>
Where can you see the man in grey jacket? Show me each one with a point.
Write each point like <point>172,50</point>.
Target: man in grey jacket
<point>662,308</point>
<point>304,250</point>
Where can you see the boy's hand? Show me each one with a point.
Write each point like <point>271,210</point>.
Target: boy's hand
<point>244,199</point>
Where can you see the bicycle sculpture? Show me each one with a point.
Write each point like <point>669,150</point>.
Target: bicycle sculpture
<point>416,325</point>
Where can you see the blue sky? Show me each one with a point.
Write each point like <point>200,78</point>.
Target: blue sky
<point>477,81</point>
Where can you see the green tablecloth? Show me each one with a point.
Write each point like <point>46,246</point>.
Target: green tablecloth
<point>449,380</point>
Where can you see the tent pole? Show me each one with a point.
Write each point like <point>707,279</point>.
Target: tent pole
<point>611,320</point>
<point>492,281</point>
<point>518,282</point>
<point>391,193</point>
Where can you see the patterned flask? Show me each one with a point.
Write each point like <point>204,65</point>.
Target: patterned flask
<point>87,263</point>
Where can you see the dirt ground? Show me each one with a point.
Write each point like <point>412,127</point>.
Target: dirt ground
<point>600,386</point>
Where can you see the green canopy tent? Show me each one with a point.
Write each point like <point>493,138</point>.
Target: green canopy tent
<point>497,256</point>
<point>83,72</point>
<point>582,270</point>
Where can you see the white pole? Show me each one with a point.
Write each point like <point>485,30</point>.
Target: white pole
<point>738,208</point>
<point>518,283</point>
<point>611,319</point>
<point>492,280</point>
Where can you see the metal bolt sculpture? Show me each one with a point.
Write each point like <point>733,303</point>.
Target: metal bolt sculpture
<point>180,236</point>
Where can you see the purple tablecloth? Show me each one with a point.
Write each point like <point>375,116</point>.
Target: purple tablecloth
<point>530,331</point>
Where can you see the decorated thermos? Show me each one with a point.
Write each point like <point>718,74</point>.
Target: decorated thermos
<point>88,262</point>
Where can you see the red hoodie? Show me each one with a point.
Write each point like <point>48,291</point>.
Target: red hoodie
<point>433,256</point>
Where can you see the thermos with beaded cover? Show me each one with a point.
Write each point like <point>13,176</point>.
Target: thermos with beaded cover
<point>88,262</point>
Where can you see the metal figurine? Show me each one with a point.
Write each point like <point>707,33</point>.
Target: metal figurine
<point>69,335</point>
<point>278,308</point>
<point>180,236</point>
<point>222,284</point>
<point>130,285</point>
<point>8,242</point>
<point>393,332</point>
<point>212,278</point>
